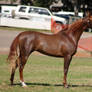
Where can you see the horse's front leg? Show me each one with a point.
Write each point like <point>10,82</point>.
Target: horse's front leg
<point>67,60</point>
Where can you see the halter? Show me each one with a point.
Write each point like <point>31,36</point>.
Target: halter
<point>88,23</point>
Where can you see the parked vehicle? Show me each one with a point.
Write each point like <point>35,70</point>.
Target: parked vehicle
<point>63,16</point>
<point>38,14</point>
<point>80,14</point>
<point>69,16</point>
<point>33,15</point>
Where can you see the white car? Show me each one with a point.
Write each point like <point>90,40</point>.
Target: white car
<point>31,17</point>
<point>39,14</point>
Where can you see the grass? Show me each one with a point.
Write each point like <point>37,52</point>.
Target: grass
<point>22,29</point>
<point>45,74</point>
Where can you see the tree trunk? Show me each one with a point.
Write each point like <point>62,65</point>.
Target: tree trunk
<point>76,8</point>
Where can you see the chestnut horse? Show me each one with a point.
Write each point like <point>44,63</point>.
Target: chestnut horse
<point>63,44</point>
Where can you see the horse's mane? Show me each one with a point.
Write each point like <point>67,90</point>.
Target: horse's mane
<point>75,24</point>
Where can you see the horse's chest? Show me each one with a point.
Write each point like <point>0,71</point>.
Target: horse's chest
<point>69,48</point>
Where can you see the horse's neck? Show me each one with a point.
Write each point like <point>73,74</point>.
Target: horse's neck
<point>76,29</point>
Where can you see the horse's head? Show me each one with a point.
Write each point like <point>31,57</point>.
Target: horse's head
<point>88,20</point>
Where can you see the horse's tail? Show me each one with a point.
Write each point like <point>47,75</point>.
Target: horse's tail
<point>14,53</point>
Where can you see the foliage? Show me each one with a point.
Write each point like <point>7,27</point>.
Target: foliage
<point>43,3</point>
<point>12,1</point>
<point>40,3</point>
<point>26,2</point>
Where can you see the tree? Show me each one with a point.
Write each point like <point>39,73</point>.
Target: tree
<point>43,3</point>
<point>12,1</point>
<point>75,5</point>
<point>71,5</point>
<point>26,2</point>
<point>67,5</point>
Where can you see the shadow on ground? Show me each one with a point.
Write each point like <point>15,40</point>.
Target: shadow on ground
<point>56,85</point>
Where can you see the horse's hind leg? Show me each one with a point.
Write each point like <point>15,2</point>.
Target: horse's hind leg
<point>22,63</point>
<point>25,51</point>
<point>13,68</point>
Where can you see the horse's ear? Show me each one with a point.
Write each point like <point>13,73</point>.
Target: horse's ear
<point>88,14</point>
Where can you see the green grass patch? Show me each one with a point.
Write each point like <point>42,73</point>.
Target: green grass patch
<point>22,29</point>
<point>45,74</point>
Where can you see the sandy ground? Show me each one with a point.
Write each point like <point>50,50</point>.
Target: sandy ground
<point>6,38</point>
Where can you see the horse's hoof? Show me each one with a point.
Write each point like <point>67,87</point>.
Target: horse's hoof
<point>66,86</point>
<point>11,84</point>
<point>24,86</point>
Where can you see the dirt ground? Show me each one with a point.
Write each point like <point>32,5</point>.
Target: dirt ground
<point>6,38</point>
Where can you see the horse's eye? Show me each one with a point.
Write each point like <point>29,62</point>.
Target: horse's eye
<point>88,21</point>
